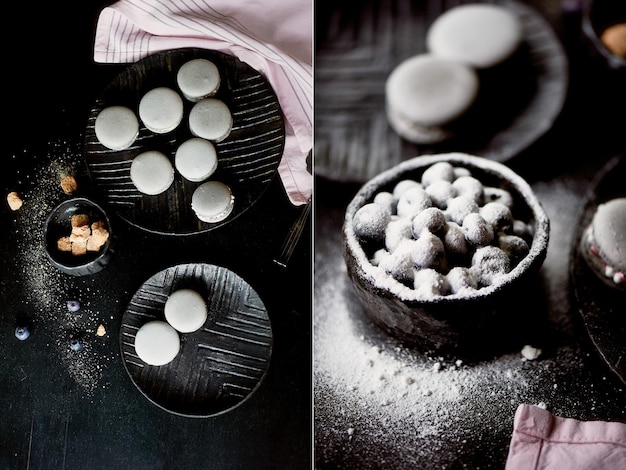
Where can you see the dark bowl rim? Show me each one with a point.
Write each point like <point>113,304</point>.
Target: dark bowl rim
<point>72,268</point>
<point>369,274</point>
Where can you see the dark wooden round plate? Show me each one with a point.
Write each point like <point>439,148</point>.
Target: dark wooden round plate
<point>220,365</point>
<point>247,159</point>
<point>602,308</point>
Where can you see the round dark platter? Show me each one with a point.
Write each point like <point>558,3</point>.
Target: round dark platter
<point>602,308</point>
<point>247,159</point>
<point>220,365</point>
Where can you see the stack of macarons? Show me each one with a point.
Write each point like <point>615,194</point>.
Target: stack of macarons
<point>161,110</point>
<point>428,92</point>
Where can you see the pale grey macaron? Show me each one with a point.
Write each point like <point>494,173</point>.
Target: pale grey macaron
<point>212,201</point>
<point>198,79</point>
<point>152,172</point>
<point>210,119</point>
<point>196,159</point>
<point>426,93</point>
<point>116,127</point>
<point>161,110</point>
<point>478,34</point>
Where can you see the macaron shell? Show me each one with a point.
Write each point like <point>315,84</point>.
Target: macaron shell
<point>609,232</point>
<point>431,91</point>
<point>151,172</point>
<point>480,35</point>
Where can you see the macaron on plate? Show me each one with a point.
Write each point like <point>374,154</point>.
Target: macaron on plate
<point>600,302</point>
<point>245,143</point>
<point>196,340</point>
<point>366,119</point>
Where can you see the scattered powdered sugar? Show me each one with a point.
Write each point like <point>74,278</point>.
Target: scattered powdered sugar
<point>47,290</point>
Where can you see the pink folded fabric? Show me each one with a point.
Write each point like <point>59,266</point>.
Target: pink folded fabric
<point>543,441</point>
<point>272,36</point>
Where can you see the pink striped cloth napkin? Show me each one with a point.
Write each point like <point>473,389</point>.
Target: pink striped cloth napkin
<point>272,36</point>
<point>542,441</point>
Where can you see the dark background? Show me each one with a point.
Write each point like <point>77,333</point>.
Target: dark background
<point>48,421</point>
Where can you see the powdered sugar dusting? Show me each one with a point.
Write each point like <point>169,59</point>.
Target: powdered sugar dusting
<point>46,289</point>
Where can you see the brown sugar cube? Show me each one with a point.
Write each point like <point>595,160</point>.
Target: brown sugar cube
<point>80,233</point>
<point>99,233</point>
<point>93,244</point>
<point>614,39</point>
<point>64,244</point>
<point>68,184</point>
<point>14,200</point>
<point>79,247</point>
<point>79,220</point>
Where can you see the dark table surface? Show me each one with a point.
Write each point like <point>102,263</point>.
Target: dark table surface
<point>62,410</point>
<point>379,404</point>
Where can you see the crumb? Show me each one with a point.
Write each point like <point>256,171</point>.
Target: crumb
<point>14,200</point>
<point>101,331</point>
<point>68,184</point>
<point>530,353</point>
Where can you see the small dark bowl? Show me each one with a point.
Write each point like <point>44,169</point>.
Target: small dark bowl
<point>454,322</point>
<point>58,224</point>
<point>597,16</point>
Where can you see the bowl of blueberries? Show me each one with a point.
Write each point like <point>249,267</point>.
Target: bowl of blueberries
<point>440,247</point>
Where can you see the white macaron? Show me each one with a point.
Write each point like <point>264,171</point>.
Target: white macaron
<point>212,201</point>
<point>157,343</point>
<point>210,119</point>
<point>116,127</point>
<point>478,34</point>
<point>198,79</point>
<point>161,110</point>
<point>196,159</point>
<point>151,172</point>
<point>425,93</point>
<point>185,310</point>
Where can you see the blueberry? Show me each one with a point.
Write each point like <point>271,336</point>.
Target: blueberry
<point>22,332</point>
<point>73,305</point>
<point>76,344</point>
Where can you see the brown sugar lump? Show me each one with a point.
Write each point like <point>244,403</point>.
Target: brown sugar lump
<point>614,39</point>
<point>64,244</point>
<point>69,184</point>
<point>79,246</point>
<point>14,200</point>
<point>99,234</point>
<point>79,220</point>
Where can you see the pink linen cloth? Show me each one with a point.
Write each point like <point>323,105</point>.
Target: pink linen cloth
<point>272,36</point>
<point>543,441</point>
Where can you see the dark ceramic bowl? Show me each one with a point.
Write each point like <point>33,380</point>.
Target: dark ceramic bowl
<point>455,321</point>
<point>597,16</point>
<point>58,225</point>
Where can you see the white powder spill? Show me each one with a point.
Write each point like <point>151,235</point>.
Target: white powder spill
<point>46,289</point>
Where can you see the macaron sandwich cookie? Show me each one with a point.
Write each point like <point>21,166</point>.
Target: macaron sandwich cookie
<point>210,119</point>
<point>603,244</point>
<point>196,159</point>
<point>425,93</point>
<point>161,110</point>
<point>478,34</point>
<point>116,127</point>
<point>198,79</point>
<point>151,172</point>
<point>212,201</point>
<point>157,343</point>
